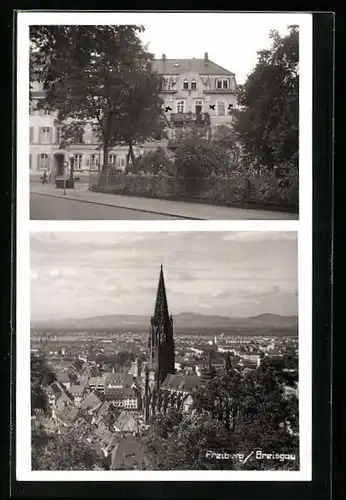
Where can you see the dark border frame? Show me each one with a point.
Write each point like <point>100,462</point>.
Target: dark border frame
<point>319,487</point>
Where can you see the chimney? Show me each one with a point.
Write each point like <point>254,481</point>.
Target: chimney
<point>164,57</point>
<point>206,59</point>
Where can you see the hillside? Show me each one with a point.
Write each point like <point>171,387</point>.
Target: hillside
<point>181,321</point>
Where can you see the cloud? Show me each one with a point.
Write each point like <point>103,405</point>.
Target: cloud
<point>61,272</point>
<point>186,276</point>
<point>104,273</point>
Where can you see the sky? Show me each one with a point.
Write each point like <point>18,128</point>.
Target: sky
<point>238,274</point>
<point>231,39</point>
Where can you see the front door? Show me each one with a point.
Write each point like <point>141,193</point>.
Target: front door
<point>198,107</point>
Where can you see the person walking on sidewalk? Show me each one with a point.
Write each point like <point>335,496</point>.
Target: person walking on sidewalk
<point>44,177</point>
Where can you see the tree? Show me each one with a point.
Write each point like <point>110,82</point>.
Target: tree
<point>226,138</point>
<point>41,376</point>
<point>267,122</point>
<point>141,118</point>
<point>220,396</point>
<point>181,442</point>
<point>66,451</point>
<point>88,74</point>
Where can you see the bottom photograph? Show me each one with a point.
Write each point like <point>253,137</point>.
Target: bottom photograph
<point>164,350</point>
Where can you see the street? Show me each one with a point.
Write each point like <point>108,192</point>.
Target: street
<point>49,203</point>
<point>44,207</point>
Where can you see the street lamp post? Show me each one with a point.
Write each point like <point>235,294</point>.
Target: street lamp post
<point>65,167</point>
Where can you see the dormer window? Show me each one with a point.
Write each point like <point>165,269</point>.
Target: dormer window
<point>185,85</point>
<point>222,83</point>
<point>193,85</point>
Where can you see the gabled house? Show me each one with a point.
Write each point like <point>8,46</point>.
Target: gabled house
<point>91,403</point>
<point>77,392</point>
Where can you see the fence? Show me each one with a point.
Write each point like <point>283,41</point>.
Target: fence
<point>216,190</point>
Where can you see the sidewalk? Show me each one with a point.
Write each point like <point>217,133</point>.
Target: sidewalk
<point>198,211</point>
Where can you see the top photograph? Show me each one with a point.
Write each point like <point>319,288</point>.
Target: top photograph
<point>196,119</point>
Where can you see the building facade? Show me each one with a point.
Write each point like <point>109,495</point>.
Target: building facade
<point>193,91</point>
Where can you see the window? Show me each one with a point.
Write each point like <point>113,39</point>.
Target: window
<point>58,135</point>
<point>122,162</point>
<point>111,159</point>
<point>45,134</point>
<point>43,161</point>
<point>185,85</point>
<point>225,84</point>
<point>218,84</point>
<point>193,85</point>
<point>31,135</point>
<point>93,162</point>
<point>221,108</point>
<point>180,106</point>
<point>30,161</point>
<point>78,161</point>
<point>46,112</point>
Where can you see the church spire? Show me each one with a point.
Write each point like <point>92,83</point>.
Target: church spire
<point>161,343</point>
<point>161,307</point>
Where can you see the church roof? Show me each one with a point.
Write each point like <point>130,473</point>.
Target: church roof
<point>180,382</point>
<point>178,66</point>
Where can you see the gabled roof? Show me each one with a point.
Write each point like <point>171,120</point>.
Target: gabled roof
<point>127,454</point>
<point>97,380</point>
<point>92,400</point>
<point>178,66</point>
<point>63,377</point>
<point>77,390</point>
<point>68,415</point>
<point>126,422</point>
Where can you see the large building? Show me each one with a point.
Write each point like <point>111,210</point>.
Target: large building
<point>193,91</point>
<point>161,351</point>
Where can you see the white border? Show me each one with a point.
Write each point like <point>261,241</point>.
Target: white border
<point>24,226</point>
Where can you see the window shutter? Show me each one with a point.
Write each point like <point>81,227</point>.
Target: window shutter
<point>38,162</point>
<point>48,161</point>
<point>31,134</point>
<point>50,135</point>
<point>41,135</point>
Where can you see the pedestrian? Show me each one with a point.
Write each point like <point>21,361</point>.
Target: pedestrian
<point>44,178</point>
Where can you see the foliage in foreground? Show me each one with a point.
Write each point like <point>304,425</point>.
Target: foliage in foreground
<point>233,414</point>
<point>66,451</point>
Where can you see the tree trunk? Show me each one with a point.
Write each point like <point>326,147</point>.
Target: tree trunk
<point>105,157</point>
<point>132,156</point>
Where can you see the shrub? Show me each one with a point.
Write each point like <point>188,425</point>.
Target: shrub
<point>197,159</point>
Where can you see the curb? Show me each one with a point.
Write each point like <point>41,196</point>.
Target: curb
<point>117,206</point>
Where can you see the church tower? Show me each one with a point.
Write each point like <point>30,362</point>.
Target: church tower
<point>161,344</point>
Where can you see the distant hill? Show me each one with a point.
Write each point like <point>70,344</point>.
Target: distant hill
<point>182,321</point>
